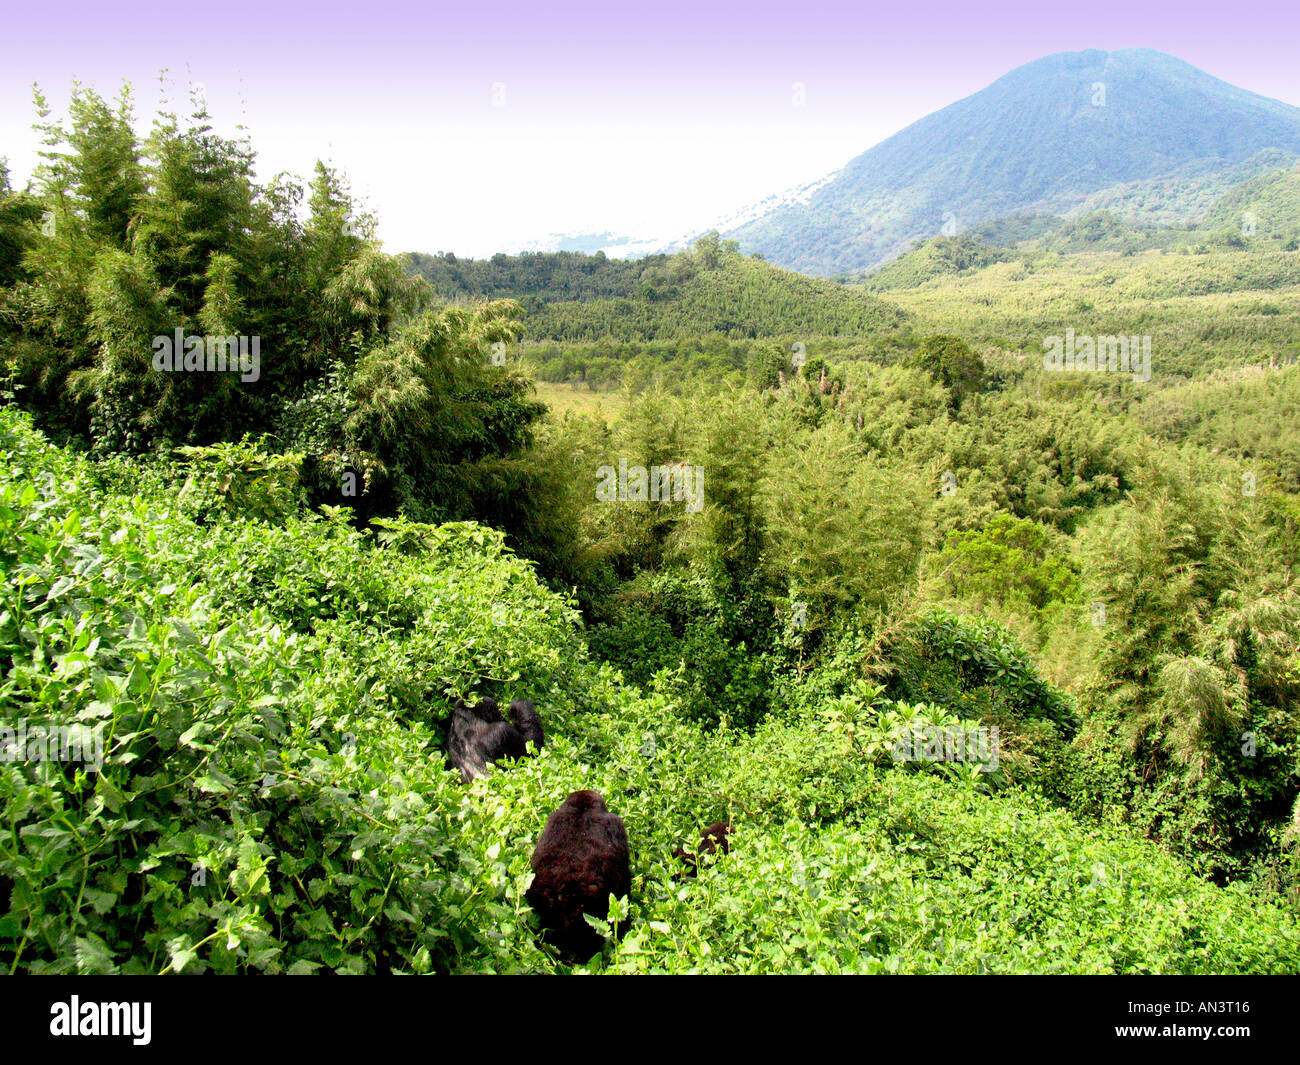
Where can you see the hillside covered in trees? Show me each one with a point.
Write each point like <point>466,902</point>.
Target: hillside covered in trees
<point>263,588</point>
<point>709,290</point>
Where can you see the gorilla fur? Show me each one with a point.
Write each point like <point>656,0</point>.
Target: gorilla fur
<point>478,735</point>
<point>713,840</point>
<point>580,860</point>
<point>524,717</point>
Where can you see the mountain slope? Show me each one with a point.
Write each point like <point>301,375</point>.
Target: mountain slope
<point>1261,214</point>
<point>1267,206</point>
<point>1044,137</point>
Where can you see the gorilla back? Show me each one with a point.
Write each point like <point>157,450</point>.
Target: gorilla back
<point>581,859</point>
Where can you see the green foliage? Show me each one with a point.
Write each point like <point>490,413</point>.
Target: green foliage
<point>699,647</point>
<point>235,480</point>
<point>271,799</point>
<point>1008,561</point>
<point>714,290</point>
<point>234,825</point>
<point>175,238</point>
<point>1223,308</point>
<point>100,180</point>
<point>950,362</point>
<point>1102,230</point>
<point>939,257</point>
<point>430,411</point>
<point>19,214</point>
<point>846,529</point>
<point>974,664</point>
<point>1196,668</point>
<point>1246,413</point>
<point>546,277</point>
<point>1264,209</point>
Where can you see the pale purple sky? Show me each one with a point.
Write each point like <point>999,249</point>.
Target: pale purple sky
<point>648,120</point>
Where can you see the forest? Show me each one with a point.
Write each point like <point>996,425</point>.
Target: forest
<point>263,594</point>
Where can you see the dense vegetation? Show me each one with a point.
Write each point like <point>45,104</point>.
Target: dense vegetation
<point>711,290</point>
<point>1262,214</point>
<point>265,595</point>
<point>543,277</point>
<point>273,799</point>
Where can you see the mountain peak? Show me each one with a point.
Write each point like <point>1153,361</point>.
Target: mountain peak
<point>1046,136</point>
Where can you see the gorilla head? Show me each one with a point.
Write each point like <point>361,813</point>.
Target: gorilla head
<point>581,859</point>
<point>524,717</point>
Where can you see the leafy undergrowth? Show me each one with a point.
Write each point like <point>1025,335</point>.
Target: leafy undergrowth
<point>273,797</point>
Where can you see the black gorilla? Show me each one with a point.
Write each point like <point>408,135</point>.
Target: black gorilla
<point>581,859</point>
<point>478,735</point>
<point>524,717</point>
<point>713,840</point>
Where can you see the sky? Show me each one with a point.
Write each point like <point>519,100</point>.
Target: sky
<point>487,125</point>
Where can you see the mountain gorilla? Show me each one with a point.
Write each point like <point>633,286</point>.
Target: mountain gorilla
<point>581,859</point>
<point>524,717</point>
<point>478,735</point>
<point>713,840</point>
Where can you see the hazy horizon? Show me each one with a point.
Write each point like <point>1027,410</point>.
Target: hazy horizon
<point>472,135</point>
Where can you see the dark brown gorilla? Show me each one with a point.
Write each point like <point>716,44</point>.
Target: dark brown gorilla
<point>524,717</point>
<point>581,859</point>
<point>478,735</point>
<point>713,840</point>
